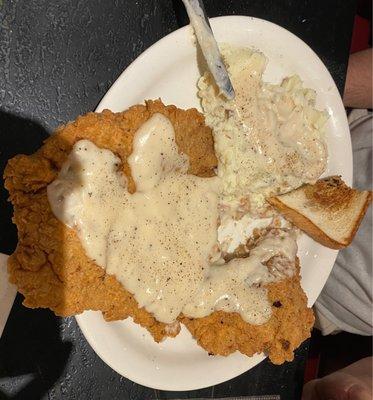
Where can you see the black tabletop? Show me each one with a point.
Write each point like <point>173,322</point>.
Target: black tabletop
<point>57,60</point>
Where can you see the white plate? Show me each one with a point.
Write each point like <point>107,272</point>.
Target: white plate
<point>169,70</point>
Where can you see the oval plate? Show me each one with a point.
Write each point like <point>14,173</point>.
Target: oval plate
<point>169,70</point>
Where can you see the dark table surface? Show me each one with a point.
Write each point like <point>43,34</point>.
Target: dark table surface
<point>57,60</point>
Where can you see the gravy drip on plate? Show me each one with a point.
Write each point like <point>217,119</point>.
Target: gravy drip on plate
<point>159,241</point>
<point>237,285</point>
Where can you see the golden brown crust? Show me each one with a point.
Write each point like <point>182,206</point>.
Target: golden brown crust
<point>52,271</point>
<point>331,195</point>
<point>290,324</point>
<point>49,265</point>
<point>305,224</point>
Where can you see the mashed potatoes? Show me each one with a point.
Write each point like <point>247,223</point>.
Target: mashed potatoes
<point>269,139</point>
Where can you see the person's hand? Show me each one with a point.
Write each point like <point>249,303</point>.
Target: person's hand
<point>351,383</point>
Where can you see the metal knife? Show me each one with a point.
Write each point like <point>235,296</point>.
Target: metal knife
<point>199,21</point>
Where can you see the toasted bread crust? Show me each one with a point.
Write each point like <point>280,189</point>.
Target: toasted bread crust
<point>330,194</point>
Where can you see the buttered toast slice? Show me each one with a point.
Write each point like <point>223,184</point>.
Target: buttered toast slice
<point>329,211</point>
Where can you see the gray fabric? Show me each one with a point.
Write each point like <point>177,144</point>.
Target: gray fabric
<point>346,299</point>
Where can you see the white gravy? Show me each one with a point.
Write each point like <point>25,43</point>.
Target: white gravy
<point>159,241</point>
<point>236,286</point>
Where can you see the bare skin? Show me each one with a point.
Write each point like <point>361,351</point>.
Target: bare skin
<point>351,383</point>
<point>358,88</point>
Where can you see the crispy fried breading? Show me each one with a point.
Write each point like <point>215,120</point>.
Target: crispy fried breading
<point>290,324</point>
<point>50,267</point>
